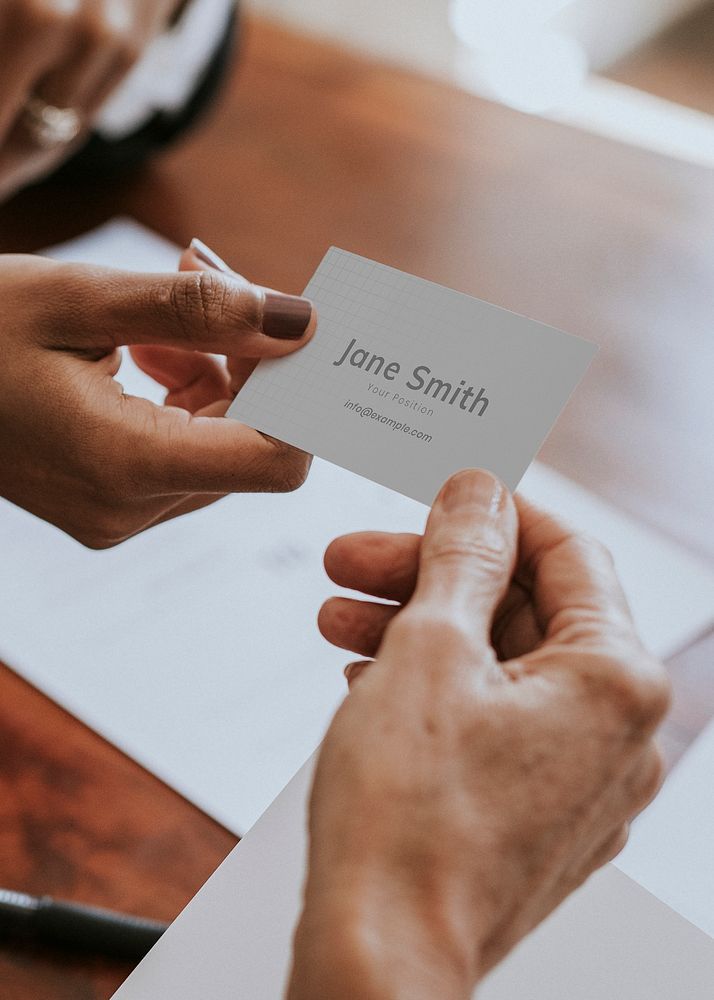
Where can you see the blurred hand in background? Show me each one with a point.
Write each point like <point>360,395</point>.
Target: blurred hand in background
<point>68,54</point>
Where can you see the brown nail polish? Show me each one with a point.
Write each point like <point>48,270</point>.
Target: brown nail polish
<point>286,317</point>
<point>208,257</point>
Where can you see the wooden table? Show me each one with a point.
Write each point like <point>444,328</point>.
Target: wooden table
<point>310,146</point>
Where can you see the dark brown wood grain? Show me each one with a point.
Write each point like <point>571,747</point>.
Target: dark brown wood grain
<point>81,821</point>
<point>310,146</point>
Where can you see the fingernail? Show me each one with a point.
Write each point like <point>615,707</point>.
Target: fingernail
<point>474,488</point>
<point>207,256</point>
<point>285,317</point>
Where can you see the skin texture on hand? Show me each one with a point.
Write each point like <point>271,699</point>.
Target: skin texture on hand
<point>71,54</point>
<point>486,762</point>
<point>103,465</point>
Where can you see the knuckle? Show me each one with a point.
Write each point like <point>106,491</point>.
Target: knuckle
<point>211,298</point>
<point>486,552</point>
<point>183,298</point>
<point>651,697</point>
<point>592,547</point>
<point>639,688</point>
<point>646,780</point>
<point>599,558</point>
<point>428,628</point>
<point>589,551</point>
<point>618,842</point>
<point>659,695</point>
<point>199,302</point>
<point>207,308</point>
<point>654,774</point>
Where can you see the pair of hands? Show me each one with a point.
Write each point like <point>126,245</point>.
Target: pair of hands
<point>491,755</point>
<point>486,761</point>
<point>494,752</point>
<point>71,54</point>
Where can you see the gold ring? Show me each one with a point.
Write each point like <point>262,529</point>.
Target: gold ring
<point>50,126</point>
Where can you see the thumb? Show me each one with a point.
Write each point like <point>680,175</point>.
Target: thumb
<point>213,311</point>
<point>469,548</point>
<point>197,257</point>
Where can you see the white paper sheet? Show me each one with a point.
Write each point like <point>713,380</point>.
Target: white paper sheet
<point>671,850</point>
<point>194,647</point>
<point>612,940</point>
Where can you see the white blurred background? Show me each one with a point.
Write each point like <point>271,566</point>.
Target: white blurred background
<point>545,57</point>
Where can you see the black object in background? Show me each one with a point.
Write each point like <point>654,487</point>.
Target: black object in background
<point>92,929</point>
<point>102,157</point>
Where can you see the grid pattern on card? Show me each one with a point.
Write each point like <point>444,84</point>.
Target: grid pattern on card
<point>304,399</point>
<point>300,396</point>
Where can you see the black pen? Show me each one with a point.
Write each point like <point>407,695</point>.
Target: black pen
<point>73,925</point>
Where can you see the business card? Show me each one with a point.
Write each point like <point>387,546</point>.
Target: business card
<point>406,381</point>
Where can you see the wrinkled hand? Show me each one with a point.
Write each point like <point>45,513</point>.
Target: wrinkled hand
<point>102,465</point>
<point>489,758</point>
<point>71,54</point>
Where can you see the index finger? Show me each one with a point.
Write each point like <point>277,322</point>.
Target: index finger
<point>571,577</point>
<point>380,563</point>
<point>172,451</point>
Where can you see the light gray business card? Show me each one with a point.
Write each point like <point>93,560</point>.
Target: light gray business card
<point>406,381</point>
